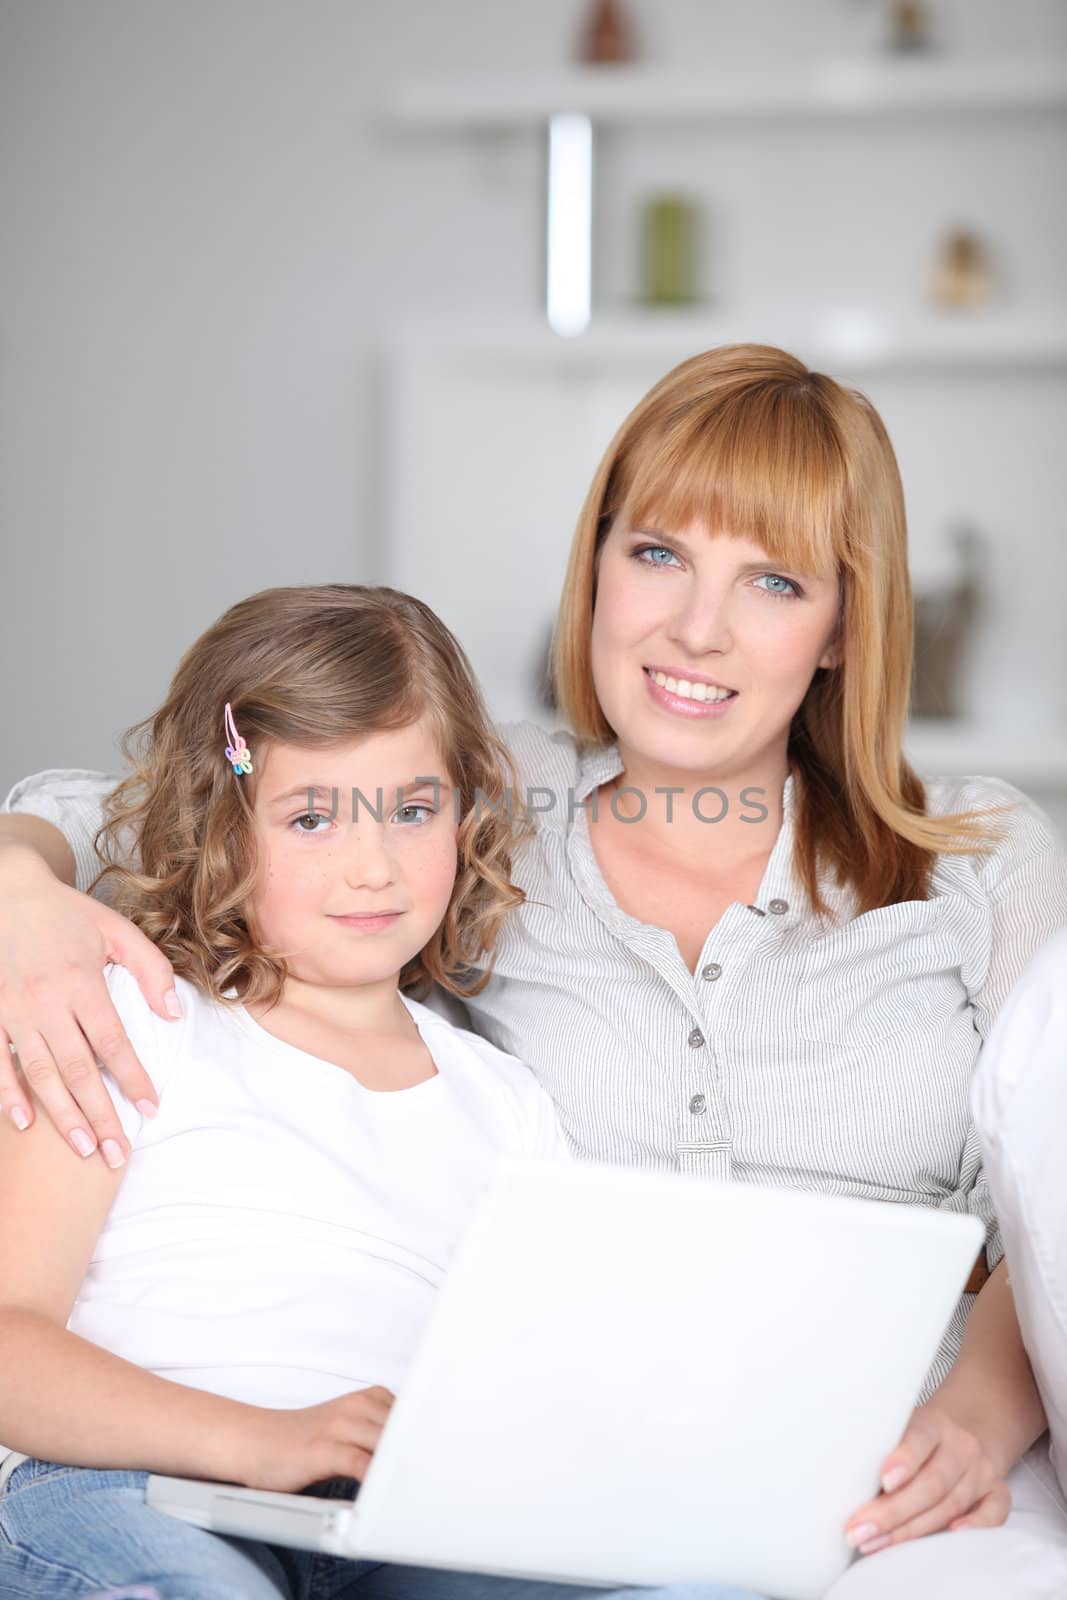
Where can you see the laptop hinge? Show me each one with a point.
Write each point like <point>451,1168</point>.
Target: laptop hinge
<point>305,1521</point>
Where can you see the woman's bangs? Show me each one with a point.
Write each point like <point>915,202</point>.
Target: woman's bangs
<point>777,478</point>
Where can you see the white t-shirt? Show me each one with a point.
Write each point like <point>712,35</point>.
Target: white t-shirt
<point>280,1230</point>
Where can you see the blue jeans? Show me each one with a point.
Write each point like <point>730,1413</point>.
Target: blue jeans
<point>68,1533</point>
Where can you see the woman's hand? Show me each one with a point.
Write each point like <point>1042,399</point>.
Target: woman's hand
<point>939,1476</point>
<point>287,1450</point>
<point>55,1010</point>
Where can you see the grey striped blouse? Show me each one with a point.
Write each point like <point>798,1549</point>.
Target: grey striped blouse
<point>831,1058</point>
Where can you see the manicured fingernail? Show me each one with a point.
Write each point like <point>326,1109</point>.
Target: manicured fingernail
<point>146,1108</point>
<point>20,1119</point>
<point>172,1003</point>
<point>82,1142</point>
<point>872,1545</point>
<point>860,1535</point>
<point>112,1153</point>
<point>894,1478</point>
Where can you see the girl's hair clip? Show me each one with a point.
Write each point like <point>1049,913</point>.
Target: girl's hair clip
<point>237,753</point>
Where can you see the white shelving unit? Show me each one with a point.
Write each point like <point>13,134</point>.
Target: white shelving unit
<point>986,385</point>
<point>634,95</point>
<point>857,337</point>
<point>572,104</point>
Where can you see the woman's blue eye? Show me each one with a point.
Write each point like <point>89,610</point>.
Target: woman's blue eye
<point>787,593</point>
<point>654,550</point>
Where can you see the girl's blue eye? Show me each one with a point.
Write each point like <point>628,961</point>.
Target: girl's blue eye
<point>653,550</point>
<point>415,806</point>
<point>788,593</point>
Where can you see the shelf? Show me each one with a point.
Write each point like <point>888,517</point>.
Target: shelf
<point>954,749</point>
<point>640,94</point>
<point>843,337</point>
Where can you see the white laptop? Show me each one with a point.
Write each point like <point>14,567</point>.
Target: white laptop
<point>638,1378</point>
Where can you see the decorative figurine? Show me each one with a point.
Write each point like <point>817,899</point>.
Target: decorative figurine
<point>945,614</point>
<point>607,38</point>
<point>963,275</point>
<point>910,23</point>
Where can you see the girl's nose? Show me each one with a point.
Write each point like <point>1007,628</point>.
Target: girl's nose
<point>368,863</point>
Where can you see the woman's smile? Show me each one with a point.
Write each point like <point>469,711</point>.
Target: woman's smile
<point>688,697</point>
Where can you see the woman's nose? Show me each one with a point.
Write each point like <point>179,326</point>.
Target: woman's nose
<point>702,621</point>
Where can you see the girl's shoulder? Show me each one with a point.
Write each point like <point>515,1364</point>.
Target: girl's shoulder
<point>157,1043</point>
<point>476,1058</point>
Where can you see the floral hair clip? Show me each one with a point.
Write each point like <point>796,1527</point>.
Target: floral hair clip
<point>237,753</point>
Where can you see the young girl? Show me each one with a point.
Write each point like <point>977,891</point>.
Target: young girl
<point>316,814</point>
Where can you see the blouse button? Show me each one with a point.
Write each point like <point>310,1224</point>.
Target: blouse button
<point>778,906</point>
<point>696,1038</point>
<point>698,1104</point>
<point>711,971</point>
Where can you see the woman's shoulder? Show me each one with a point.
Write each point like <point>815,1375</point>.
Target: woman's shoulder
<point>544,759</point>
<point>1014,820</point>
<point>946,795</point>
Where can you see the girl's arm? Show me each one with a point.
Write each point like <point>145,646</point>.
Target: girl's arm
<point>54,1005</point>
<point>62,1398</point>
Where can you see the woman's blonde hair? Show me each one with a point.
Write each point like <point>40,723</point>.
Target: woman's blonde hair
<point>313,667</point>
<point>750,443</point>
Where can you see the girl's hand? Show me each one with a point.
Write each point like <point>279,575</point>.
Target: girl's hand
<point>287,1450</point>
<point>55,1010</point>
<point>939,1476</point>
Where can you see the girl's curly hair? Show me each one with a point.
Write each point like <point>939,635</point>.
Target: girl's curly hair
<point>316,667</point>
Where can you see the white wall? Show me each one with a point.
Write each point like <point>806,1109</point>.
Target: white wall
<point>202,232</point>
<point>205,233</point>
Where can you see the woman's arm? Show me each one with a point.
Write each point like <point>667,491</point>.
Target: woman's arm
<point>948,1470</point>
<point>990,1391</point>
<point>61,1397</point>
<point>55,1009</point>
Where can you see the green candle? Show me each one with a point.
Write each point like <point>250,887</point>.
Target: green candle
<point>668,264</point>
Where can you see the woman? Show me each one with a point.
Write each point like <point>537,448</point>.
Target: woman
<point>754,943</point>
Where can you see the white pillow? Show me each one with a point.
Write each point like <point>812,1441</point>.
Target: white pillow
<point>1020,1107</point>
